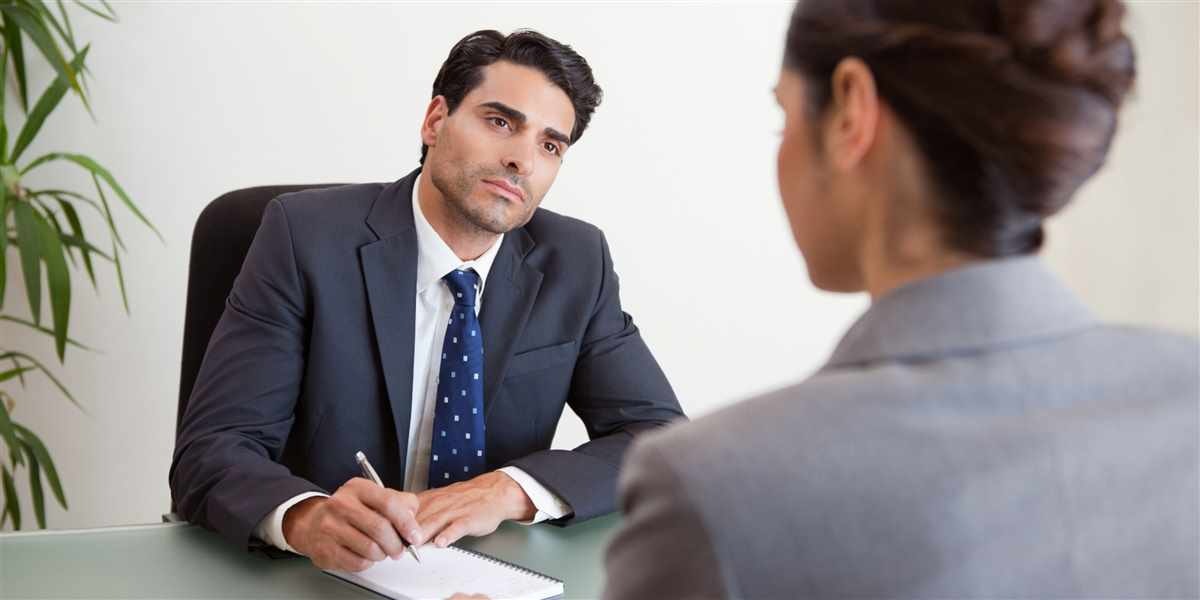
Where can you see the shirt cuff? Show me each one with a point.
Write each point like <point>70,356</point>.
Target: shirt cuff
<point>270,528</point>
<point>547,503</point>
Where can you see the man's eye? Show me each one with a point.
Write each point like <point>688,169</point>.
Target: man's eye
<point>551,148</point>
<point>499,122</point>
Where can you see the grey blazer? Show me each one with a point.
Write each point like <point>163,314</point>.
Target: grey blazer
<point>976,434</point>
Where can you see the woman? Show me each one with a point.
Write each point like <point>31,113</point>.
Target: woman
<point>976,433</point>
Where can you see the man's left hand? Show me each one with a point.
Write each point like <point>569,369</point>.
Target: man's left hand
<point>475,507</point>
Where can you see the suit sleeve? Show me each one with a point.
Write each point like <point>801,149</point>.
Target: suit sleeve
<point>663,548</point>
<point>618,391</point>
<point>224,474</point>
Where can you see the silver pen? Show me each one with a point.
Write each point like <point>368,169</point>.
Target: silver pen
<point>369,472</point>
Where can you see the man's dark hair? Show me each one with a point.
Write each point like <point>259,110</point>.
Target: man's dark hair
<point>463,70</point>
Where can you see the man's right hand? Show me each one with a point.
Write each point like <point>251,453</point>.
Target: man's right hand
<point>353,528</point>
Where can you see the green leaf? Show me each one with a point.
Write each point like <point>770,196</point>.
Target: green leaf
<point>3,130</point>
<point>68,196</point>
<point>62,388</point>
<point>120,277</point>
<point>111,17</point>
<point>9,433</point>
<point>29,22</point>
<point>77,230</point>
<point>29,242</point>
<point>12,42</point>
<point>3,237</point>
<point>100,172</point>
<point>112,13</point>
<point>81,244</point>
<point>62,10</point>
<point>9,374</point>
<point>49,332</point>
<point>112,225</point>
<point>4,79</point>
<point>3,87</point>
<point>60,233</point>
<point>45,105</point>
<point>47,463</point>
<point>35,487</point>
<point>11,506</point>
<point>59,279</point>
<point>48,15</point>
<point>20,376</point>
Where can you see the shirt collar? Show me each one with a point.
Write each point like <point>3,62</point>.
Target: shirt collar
<point>990,304</point>
<point>435,258</point>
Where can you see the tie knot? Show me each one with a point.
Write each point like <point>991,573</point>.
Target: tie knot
<point>462,285</point>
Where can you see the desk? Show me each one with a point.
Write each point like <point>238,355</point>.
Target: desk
<point>176,560</point>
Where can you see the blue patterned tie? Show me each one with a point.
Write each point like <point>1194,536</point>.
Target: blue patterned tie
<point>458,419</point>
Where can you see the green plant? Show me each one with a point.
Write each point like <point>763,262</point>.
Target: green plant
<point>43,226</point>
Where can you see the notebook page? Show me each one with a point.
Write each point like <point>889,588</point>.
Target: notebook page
<point>443,572</point>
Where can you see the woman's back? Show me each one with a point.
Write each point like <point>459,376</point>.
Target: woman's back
<point>975,434</point>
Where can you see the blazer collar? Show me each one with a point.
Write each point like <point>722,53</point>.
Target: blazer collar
<point>391,214</point>
<point>981,306</point>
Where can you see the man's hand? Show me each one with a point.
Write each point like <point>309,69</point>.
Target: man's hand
<point>475,507</point>
<point>354,527</point>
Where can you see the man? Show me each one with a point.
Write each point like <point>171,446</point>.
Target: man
<point>438,324</point>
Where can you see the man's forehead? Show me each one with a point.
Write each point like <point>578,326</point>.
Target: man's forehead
<point>527,90</point>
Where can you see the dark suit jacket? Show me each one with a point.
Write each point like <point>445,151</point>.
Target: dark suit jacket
<point>313,357</point>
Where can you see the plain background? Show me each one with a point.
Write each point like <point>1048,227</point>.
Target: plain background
<point>678,167</point>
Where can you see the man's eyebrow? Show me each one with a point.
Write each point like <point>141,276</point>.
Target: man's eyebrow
<point>506,110</point>
<point>557,136</point>
<point>519,118</point>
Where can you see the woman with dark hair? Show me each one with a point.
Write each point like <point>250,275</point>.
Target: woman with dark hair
<point>977,433</point>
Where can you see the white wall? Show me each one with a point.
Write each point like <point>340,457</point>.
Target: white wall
<point>193,100</point>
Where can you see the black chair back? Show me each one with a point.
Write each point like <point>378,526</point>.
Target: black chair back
<point>220,241</point>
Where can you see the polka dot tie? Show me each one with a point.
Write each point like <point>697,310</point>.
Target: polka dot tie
<point>458,452</point>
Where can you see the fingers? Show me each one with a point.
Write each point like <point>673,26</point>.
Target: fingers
<point>451,525</point>
<point>453,532</point>
<point>433,524</point>
<point>345,560</point>
<point>341,546</point>
<point>359,527</point>
<point>432,501</point>
<point>398,508</point>
<point>351,538</point>
<point>375,527</point>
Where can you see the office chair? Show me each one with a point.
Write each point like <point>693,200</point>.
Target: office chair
<point>220,241</point>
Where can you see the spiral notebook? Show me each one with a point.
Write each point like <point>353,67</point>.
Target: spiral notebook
<point>444,572</point>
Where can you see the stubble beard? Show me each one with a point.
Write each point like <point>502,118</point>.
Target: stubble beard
<point>455,184</point>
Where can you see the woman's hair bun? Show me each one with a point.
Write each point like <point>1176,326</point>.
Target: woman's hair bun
<point>1074,41</point>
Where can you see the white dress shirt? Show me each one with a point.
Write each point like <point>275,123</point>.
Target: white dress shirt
<point>434,302</point>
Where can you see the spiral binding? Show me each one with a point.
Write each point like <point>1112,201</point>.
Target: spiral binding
<point>493,559</point>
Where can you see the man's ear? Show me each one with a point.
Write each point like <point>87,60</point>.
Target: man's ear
<point>435,117</point>
<point>854,118</point>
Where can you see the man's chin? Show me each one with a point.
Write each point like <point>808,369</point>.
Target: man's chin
<point>498,222</point>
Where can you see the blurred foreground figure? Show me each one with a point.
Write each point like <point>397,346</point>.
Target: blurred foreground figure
<point>977,433</point>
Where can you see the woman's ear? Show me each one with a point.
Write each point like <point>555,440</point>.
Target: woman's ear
<point>853,121</point>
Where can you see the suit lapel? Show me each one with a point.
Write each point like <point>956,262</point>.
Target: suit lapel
<point>512,286</point>
<point>390,272</point>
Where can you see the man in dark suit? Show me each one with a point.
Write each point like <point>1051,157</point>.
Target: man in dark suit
<point>439,324</point>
